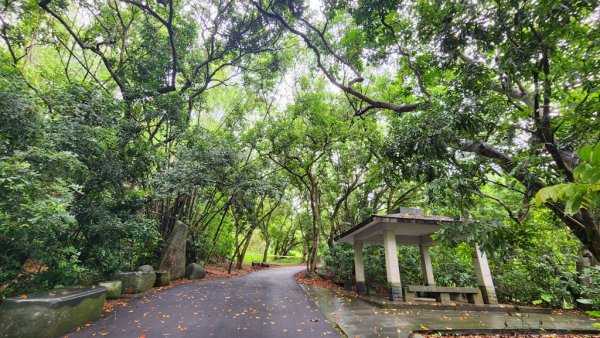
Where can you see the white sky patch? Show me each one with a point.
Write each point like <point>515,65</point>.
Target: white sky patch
<point>315,4</point>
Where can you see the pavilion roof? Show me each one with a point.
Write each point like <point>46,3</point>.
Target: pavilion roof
<point>411,227</point>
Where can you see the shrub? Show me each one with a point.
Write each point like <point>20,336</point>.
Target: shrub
<point>340,261</point>
<point>590,291</point>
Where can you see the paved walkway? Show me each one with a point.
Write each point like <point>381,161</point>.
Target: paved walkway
<point>268,303</point>
<point>358,318</point>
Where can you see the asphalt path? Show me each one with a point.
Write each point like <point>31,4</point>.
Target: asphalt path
<point>266,303</point>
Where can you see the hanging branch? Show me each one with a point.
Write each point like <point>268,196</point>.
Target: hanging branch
<point>168,24</point>
<point>85,46</point>
<point>372,103</point>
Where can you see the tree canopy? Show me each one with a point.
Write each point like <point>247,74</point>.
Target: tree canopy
<point>274,126</point>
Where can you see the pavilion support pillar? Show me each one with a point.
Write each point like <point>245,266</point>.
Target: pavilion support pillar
<point>391,265</point>
<point>484,276</point>
<point>359,268</point>
<point>426,267</point>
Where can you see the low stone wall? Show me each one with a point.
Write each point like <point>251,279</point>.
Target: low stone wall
<point>51,313</point>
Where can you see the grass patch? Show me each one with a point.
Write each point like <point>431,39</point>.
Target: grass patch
<point>252,257</point>
<point>288,260</point>
<point>257,257</point>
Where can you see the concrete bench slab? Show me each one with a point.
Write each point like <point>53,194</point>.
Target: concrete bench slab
<point>50,314</point>
<point>442,293</point>
<point>435,288</point>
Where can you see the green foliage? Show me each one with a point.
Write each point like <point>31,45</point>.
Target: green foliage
<point>590,291</point>
<point>112,128</point>
<point>340,261</point>
<point>536,280</point>
<point>64,207</point>
<point>20,120</point>
<point>586,188</point>
<point>453,266</point>
<point>35,221</point>
<point>593,313</point>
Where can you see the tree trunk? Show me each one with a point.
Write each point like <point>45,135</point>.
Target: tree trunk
<point>304,252</point>
<point>235,254</point>
<point>267,244</point>
<point>317,226</point>
<point>330,241</point>
<point>242,254</point>
<point>313,253</point>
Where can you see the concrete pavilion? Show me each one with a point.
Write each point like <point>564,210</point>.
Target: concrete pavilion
<point>408,227</point>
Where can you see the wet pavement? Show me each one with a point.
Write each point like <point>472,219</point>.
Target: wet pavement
<point>268,303</point>
<point>358,318</point>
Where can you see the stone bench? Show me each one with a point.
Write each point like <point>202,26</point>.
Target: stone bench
<point>50,314</point>
<point>442,293</point>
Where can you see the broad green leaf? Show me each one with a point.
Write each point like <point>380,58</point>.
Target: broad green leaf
<point>573,204</point>
<point>586,153</point>
<point>595,157</point>
<point>546,297</point>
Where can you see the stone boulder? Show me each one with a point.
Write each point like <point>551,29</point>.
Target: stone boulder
<point>194,271</point>
<point>113,287</point>
<point>163,278</point>
<point>136,282</point>
<point>172,258</point>
<point>145,268</point>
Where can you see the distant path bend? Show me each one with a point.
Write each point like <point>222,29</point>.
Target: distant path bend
<point>267,303</point>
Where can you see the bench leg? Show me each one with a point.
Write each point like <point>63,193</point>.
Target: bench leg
<point>409,296</point>
<point>476,299</point>
<point>443,298</point>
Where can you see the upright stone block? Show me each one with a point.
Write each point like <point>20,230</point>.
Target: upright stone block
<point>173,255</point>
